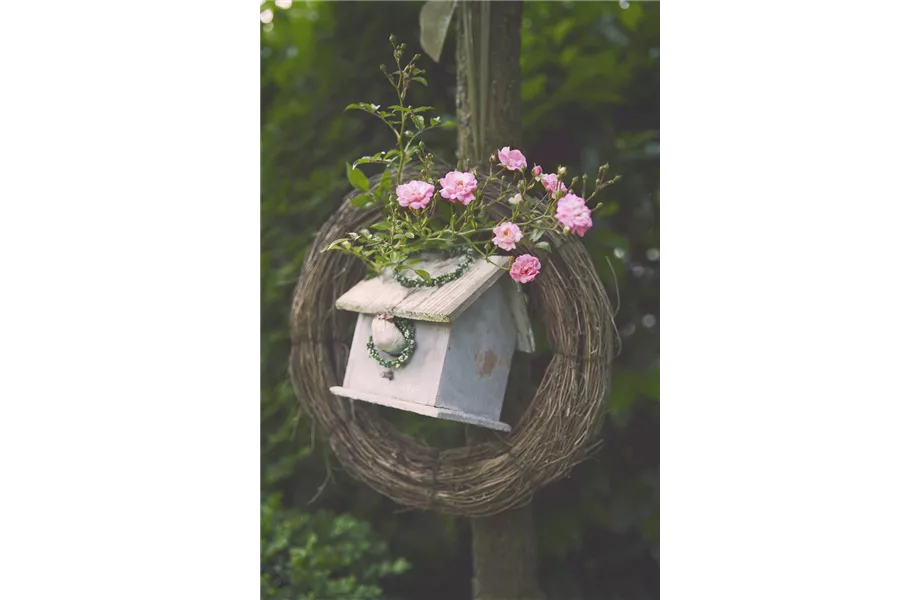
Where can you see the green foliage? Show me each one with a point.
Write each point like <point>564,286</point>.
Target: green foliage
<point>590,90</point>
<point>443,225</point>
<point>318,556</point>
<point>434,22</point>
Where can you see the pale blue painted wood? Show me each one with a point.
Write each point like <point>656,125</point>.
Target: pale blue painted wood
<point>482,344</point>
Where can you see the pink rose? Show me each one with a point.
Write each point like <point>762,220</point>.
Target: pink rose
<point>506,235</point>
<point>457,185</point>
<point>512,160</point>
<point>572,212</point>
<point>415,194</point>
<point>551,184</point>
<point>525,268</point>
<point>537,170</point>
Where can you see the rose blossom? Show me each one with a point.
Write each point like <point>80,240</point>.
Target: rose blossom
<point>516,199</point>
<point>512,160</point>
<point>507,234</point>
<point>551,184</point>
<point>525,268</point>
<point>572,212</point>
<point>457,185</point>
<point>415,194</point>
<point>537,170</point>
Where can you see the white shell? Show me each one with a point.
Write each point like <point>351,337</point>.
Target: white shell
<point>387,336</point>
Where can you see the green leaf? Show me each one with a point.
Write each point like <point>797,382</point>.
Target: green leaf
<point>362,200</point>
<point>434,23</point>
<point>445,211</point>
<point>381,226</point>
<point>419,122</point>
<point>544,246</point>
<point>421,80</point>
<point>423,274</point>
<point>386,184</point>
<point>536,234</point>
<point>356,178</point>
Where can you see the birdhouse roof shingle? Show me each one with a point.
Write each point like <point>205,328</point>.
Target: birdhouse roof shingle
<point>442,304</point>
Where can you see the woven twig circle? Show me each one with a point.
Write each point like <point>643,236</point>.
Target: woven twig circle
<point>556,431</point>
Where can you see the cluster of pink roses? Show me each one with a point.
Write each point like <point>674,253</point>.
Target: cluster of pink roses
<point>459,186</point>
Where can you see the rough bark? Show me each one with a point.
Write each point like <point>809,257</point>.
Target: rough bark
<point>502,110</point>
<point>504,545</point>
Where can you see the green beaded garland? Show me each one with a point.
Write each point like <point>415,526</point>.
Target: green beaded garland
<point>407,328</point>
<point>440,279</point>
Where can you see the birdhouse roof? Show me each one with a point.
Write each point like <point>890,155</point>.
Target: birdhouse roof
<point>442,304</point>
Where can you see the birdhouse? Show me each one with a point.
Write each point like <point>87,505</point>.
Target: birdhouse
<point>459,338</point>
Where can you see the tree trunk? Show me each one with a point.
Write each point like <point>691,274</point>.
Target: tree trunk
<point>498,100</point>
<point>505,545</point>
<point>489,117</point>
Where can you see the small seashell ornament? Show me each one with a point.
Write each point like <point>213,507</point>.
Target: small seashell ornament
<point>387,336</point>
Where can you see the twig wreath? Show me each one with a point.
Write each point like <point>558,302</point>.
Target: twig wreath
<point>556,432</point>
<point>383,225</point>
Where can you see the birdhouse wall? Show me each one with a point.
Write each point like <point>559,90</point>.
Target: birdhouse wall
<point>416,381</point>
<point>482,343</point>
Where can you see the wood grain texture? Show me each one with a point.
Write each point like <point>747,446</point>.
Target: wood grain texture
<point>518,305</point>
<point>478,359</point>
<point>443,304</point>
<point>418,381</point>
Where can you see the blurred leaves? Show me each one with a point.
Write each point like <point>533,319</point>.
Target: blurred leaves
<point>316,556</point>
<point>590,95</point>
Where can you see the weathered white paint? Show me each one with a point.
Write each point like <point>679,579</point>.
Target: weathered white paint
<point>466,335</point>
<point>443,304</point>
<point>416,381</point>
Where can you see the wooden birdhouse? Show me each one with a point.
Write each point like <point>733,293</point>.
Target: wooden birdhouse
<point>459,338</point>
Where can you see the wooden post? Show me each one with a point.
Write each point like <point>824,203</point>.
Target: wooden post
<point>489,117</point>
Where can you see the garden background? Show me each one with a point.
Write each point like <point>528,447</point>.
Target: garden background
<point>590,95</point>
